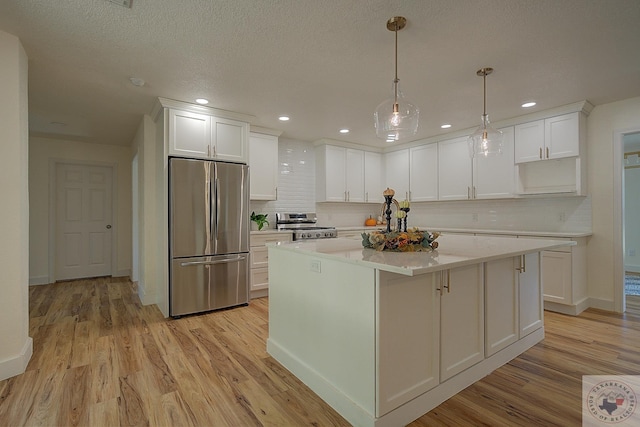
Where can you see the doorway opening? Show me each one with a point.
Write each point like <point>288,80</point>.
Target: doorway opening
<point>631,220</point>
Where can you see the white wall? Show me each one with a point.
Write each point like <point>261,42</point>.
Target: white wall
<point>16,346</point>
<point>143,146</point>
<point>602,125</point>
<point>43,153</point>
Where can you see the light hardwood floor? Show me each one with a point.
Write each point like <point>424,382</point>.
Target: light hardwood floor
<point>102,359</point>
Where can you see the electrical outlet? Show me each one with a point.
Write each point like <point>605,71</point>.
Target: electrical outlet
<point>315,265</point>
<point>562,217</point>
<point>632,252</point>
<point>474,217</point>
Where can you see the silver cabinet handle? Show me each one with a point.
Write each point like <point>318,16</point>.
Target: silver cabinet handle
<point>547,152</point>
<point>219,261</point>
<point>540,154</point>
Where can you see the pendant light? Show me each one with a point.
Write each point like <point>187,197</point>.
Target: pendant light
<point>396,118</point>
<point>486,140</point>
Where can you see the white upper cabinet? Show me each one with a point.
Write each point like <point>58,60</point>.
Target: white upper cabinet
<point>230,140</point>
<point>396,168</point>
<point>263,166</point>
<point>189,133</point>
<point>373,177</point>
<point>423,173</point>
<point>552,138</point>
<point>204,136</point>
<point>354,173</point>
<point>340,174</point>
<point>494,176</point>
<point>454,170</point>
<point>483,177</point>
<point>413,173</point>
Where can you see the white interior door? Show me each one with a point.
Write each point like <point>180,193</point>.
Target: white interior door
<point>83,221</point>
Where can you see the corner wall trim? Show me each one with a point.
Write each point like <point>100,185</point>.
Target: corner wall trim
<point>18,364</point>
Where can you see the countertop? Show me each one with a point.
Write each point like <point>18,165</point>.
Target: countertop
<point>553,234</point>
<point>453,251</point>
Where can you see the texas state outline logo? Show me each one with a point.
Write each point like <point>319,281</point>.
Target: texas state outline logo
<point>609,400</point>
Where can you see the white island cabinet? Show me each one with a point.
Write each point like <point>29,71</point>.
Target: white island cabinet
<point>384,337</point>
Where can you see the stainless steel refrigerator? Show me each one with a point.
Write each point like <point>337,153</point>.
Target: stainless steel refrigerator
<point>208,235</point>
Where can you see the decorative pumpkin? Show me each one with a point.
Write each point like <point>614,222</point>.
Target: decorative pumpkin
<point>370,221</point>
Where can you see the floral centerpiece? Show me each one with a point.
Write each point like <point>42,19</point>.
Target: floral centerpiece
<point>412,240</point>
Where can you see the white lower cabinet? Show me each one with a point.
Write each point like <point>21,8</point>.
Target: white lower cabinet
<point>563,275</point>
<point>513,302</point>
<point>259,272</point>
<point>409,325</point>
<point>439,316</point>
<point>461,319</point>
<point>531,308</point>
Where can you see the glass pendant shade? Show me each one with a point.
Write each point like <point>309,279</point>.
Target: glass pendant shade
<point>485,141</point>
<point>396,117</point>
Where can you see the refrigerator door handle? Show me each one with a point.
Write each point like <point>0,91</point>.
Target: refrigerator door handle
<point>220,261</point>
<point>217,206</point>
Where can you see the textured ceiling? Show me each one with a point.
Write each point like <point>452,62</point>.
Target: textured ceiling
<point>326,63</point>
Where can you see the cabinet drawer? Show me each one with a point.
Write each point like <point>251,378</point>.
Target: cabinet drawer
<point>259,278</point>
<point>260,239</point>
<point>259,256</point>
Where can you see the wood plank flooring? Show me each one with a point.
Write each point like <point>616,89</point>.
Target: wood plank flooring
<point>102,359</point>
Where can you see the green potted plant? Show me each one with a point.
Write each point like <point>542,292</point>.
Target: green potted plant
<point>259,219</point>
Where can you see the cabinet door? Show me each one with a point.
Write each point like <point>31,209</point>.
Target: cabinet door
<point>454,170</point>
<point>230,140</point>
<point>494,176</point>
<point>397,173</point>
<point>461,320</point>
<point>423,173</point>
<point>330,174</point>
<point>373,177</point>
<point>529,141</point>
<point>263,166</point>
<point>556,276</point>
<point>408,339</point>
<point>501,304</point>
<point>562,136</point>
<point>354,173</point>
<point>189,134</point>
<point>531,306</point>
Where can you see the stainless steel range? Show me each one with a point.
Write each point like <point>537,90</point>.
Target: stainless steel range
<point>303,226</point>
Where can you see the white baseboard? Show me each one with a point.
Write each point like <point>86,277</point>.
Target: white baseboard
<point>602,304</point>
<point>632,268</point>
<point>123,273</point>
<point>145,298</point>
<point>17,365</point>
<point>39,280</point>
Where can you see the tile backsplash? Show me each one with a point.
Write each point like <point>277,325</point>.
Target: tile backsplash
<point>296,193</point>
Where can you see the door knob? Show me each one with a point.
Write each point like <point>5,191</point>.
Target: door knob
<point>108,226</point>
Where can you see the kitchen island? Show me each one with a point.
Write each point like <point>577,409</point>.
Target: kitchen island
<point>384,337</point>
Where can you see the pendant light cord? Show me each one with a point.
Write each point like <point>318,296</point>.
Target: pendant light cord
<point>395,81</point>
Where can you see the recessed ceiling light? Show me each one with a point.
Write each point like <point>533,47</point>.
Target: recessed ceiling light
<point>202,101</point>
<point>344,130</point>
<point>528,104</point>
<point>283,118</point>
<point>137,81</point>
<point>445,126</point>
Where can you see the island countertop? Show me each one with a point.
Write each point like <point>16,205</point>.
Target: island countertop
<point>453,251</point>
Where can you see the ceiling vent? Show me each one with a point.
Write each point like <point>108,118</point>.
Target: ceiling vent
<point>123,3</point>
